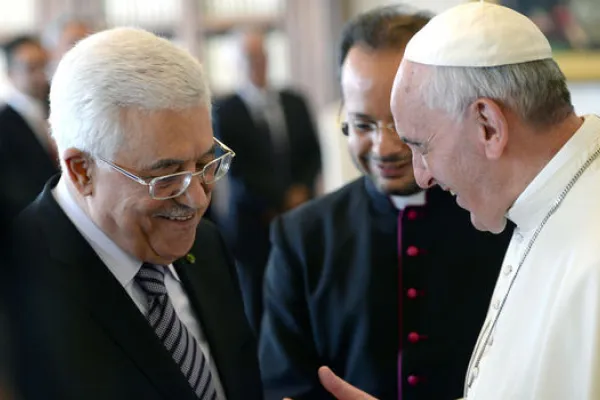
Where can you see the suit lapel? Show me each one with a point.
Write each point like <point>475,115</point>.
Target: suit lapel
<point>93,285</point>
<point>259,137</point>
<point>213,295</point>
<point>29,144</point>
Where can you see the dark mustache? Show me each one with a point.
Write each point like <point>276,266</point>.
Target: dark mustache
<point>389,159</point>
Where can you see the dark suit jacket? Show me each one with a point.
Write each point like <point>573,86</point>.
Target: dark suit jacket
<point>80,336</point>
<point>5,367</point>
<point>25,166</point>
<point>334,288</point>
<point>256,185</point>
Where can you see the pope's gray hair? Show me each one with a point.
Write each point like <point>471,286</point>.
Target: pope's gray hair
<point>115,70</point>
<point>536,91</point>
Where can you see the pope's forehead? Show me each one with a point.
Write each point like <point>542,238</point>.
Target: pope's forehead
<point>409,78</point>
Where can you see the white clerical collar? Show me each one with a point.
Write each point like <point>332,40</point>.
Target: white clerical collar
<point>121,264</point>
<point>401,202</point>
<point>534,203</point>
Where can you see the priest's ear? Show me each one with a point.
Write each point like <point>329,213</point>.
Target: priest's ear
<point>78,167</point>
<point>492,126</point>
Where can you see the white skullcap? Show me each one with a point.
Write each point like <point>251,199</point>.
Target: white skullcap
<point>478,34</point>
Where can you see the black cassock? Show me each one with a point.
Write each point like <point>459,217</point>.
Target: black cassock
<point>343,289</point>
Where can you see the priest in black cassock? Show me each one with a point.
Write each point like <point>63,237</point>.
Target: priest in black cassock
<point>385,283</point>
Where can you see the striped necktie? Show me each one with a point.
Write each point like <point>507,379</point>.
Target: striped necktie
<point>173,333</point>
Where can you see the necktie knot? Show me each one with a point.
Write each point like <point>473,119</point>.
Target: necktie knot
<point>151,279</point>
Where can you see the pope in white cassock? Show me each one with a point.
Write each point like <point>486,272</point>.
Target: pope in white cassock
<point>488,116</point>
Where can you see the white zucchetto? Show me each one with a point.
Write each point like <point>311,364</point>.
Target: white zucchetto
<point>478,34</point>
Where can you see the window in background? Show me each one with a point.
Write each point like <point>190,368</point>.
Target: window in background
<point>16,17</point>
<point>155,15</point>
<point>222,18</point>
<point>223,70</point>
<point>228,8</point>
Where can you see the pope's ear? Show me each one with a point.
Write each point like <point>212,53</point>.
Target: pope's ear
<point>492,126</point>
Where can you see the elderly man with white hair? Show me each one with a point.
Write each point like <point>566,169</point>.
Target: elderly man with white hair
<point>122,290</point>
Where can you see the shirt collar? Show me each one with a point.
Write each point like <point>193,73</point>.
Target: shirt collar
<point>385,204</point>
<point>258,97</point>
<point>534,203</point>
<point>121,264</point>
<point>25,104</point>
<point>401,202</point>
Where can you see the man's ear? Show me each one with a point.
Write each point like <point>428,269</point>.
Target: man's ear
<point>79,168</point>
<point>492,126</point>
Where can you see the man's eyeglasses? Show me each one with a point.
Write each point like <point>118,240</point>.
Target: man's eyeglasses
<point>174,185</point>
<point>365,127</point>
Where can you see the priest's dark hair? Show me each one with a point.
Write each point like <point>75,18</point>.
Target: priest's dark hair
<point>382,28</point>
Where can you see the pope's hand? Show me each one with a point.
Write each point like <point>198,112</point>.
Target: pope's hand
<point>339,388</point>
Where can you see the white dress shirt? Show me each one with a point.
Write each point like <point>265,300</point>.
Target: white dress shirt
<point>265,105</point>
<point>546,343</point>
<point>125,267</point>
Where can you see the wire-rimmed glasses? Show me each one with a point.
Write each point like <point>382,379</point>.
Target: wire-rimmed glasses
<point>365,127</point>
<point>174,185</point>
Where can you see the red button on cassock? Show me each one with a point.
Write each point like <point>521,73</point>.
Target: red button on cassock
<point>412,215</point>
<point>414,337</point>
<point>413,380</point>
<point>412,251</point>
<point>412,293</point>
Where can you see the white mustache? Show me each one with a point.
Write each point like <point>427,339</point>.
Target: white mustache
<point>178,213</point>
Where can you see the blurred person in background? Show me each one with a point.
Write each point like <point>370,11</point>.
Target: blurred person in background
<point>384,282</point>
<point>27,152</point>
<point>278,161</point>
<point>122,290</point>
<point>62,34</point>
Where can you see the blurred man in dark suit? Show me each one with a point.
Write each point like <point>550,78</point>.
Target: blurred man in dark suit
<point>383,282</point>
<point>121,290</point>
<point>5,355</point>
<point>273,134</point>
<point>27,153</point>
